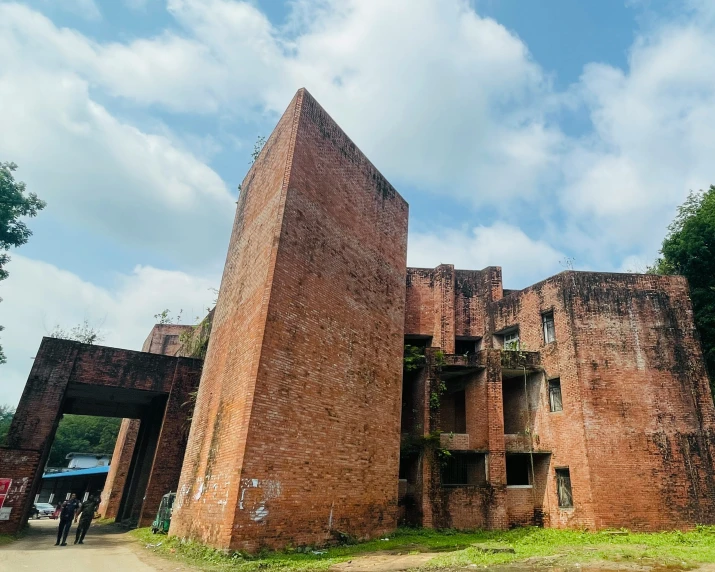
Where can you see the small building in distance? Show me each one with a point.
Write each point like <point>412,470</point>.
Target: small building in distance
<point>88,460</point>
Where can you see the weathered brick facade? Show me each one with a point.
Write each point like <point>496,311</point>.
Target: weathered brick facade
<point>581,401</point>
<point>635,411</point>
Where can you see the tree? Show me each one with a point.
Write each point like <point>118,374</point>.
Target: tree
<point>689,250</point>
<point>6,414</point>
<point>14,204</point>
<point>83,434</point>
<point>84,332</point>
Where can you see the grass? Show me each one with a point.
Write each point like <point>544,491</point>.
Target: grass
<point>679,550</point>
<point>6,539</point>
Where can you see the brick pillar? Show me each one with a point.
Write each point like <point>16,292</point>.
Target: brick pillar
<point>169,457</point>
<point>444,325</point>
<point>497,517</point>
<point>35,423</point>
<point>119,468</point>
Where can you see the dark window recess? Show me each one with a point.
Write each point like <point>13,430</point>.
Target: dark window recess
<point>563,488</point>
<point>463,469</point>
<point>464,347</point>
<point>453,412</point>
<point>549,332</point>
<point>518,470</point>
<point>555,402</point>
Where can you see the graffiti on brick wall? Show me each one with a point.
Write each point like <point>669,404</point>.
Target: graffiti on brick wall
<point>5,485</point>
<point>255,494</point>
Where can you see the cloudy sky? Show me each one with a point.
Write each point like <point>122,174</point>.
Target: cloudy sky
<point>522,134</point>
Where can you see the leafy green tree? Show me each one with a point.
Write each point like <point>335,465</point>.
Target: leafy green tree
<point>6,414</point>
<point>689,250</point>
<point>14,204</point>
<point>83,434</point>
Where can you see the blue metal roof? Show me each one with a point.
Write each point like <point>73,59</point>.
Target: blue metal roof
<point>77,473</point>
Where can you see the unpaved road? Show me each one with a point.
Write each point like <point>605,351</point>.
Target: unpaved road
<point>105,548</point>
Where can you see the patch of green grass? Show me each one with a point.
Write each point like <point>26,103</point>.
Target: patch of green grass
<point>544,546</point>
<point>6,539</point>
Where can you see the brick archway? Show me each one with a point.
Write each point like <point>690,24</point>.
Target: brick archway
<point>70,377</point>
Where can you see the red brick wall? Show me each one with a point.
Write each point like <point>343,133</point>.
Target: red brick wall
<point>321,450</point>
<point>20,466</point>
<point>208,490</point>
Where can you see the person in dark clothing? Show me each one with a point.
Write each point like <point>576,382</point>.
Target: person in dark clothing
<point>86,514</point>
<point>67,514</point>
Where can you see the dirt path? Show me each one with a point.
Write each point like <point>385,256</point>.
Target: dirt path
<point>106,547</point>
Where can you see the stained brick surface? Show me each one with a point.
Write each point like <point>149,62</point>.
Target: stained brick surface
<point>637,413</point>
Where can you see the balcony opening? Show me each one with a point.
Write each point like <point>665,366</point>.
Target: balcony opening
<point>409,490</point>
<point>518,470</point>
<point>520,402</point>
<point>464,469</point>
<point>466,345</point>
<point>507,339</point>
<point>453,412</point>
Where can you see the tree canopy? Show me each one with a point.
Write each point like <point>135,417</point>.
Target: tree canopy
<point>6,414</point>
<point>14,204</point>
<point>83,434</point>
<point>689,250</point>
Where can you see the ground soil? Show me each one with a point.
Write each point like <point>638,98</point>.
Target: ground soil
<point>106,547</point>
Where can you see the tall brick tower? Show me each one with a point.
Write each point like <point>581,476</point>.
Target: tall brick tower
<point>296,428</point>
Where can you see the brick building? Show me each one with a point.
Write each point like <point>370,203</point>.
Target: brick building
<point>581,401</point>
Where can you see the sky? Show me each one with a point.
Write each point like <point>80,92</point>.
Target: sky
<point>533,136</point>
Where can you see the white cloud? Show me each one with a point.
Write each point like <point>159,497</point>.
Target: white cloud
<point>93,169</point>
<point>652,138</point>
<point>520,257</point>
<point>39,296</point>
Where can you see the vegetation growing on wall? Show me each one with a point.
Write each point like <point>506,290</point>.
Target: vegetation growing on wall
<point>84,332</point>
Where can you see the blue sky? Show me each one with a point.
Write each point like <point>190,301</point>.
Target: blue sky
<point>521,133</point>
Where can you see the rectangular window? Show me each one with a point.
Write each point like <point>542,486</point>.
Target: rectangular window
<point>511,341</point>
<point>549,332</point>
<point>555,402</point>
<point>518,470</point>
<point>563,488</point>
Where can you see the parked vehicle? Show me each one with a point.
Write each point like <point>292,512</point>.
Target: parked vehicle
<point>163,516</point>
<point>43,509</point>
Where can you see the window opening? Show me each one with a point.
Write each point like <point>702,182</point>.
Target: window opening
<point>563,488</point>
<point>465,347</point>
<point>464,469</point>
<point>549,331</point>
<point>518,472</point>
<point>555,401</point>
<point>511,341</point>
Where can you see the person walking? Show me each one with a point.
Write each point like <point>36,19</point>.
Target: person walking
<point>86,514</point>
<point>67,514</point>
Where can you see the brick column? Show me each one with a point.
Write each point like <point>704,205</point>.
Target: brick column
<point>119,468</point>
<point>35,423</point>
<point>444,325</point>
<point>497,517</point>
<point>171,446</point>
